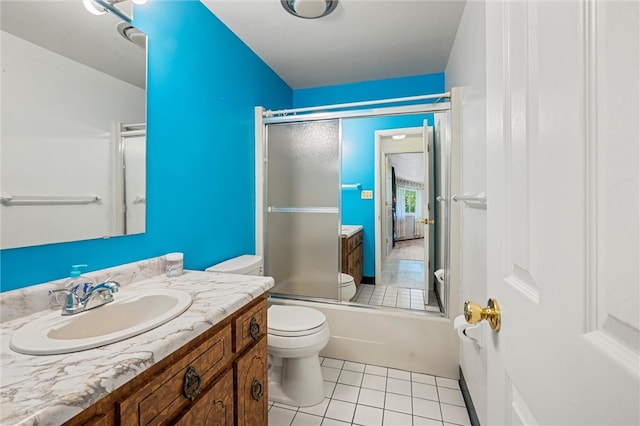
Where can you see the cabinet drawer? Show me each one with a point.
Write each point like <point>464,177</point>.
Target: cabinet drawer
<point>250,326</point>
<point>215,407</point>
<point>162,398</point>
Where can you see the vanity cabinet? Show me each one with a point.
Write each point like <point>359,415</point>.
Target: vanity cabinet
<point>219,378</point>
<point>352,256</point>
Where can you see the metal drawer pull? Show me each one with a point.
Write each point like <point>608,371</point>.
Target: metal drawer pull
<point>254,329</point>
<point>191,384</point>
<point>256,390</point>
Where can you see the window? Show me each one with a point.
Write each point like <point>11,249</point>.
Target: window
<point>410,201</point>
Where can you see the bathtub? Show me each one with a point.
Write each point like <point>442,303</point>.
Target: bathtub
<point>406,340</point>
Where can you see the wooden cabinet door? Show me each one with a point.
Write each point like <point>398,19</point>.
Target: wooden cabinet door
<point>357,265</point>
<point>214,408</point>
<point>251,385</point>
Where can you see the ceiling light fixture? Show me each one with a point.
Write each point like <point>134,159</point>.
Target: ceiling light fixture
<point>398,137</point>
<point>309,9</point>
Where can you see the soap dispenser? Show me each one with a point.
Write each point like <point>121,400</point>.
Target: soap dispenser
<point>78,283</point>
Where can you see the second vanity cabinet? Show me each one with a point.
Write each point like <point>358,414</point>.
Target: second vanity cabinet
<point>219,378</point>
<point>352,256</point>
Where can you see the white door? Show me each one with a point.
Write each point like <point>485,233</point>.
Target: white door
<point>563,211</point>
<point>428,208</point>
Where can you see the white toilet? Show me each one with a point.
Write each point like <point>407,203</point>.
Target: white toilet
<point>295,336</point>
<point>347,287</point>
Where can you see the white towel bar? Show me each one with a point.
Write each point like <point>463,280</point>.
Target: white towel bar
<point>35,200</point>
<point>480,198</point>
<point>351,185</point>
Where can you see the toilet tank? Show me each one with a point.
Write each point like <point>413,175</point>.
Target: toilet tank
<point>247,264</point>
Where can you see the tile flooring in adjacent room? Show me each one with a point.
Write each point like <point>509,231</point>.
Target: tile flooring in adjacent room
<point>368,395</point>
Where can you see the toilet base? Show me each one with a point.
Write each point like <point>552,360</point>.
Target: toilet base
<point>296,381</point>
<point>347,292</point>
<point>277,395</point>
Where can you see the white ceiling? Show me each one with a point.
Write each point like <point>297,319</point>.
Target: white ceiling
<point>362,40</point>
<point>408,166</point>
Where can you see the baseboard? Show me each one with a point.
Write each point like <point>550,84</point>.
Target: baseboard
<point>471,410</point>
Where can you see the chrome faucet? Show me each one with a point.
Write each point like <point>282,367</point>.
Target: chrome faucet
<point>96,296</point>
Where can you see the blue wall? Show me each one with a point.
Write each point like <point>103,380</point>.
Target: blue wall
<point>358,141</point>
<point>203,84</point>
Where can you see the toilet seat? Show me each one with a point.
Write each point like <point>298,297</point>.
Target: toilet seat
<point>299,333</point>
<point>294,321</point>
<point>296,331</point>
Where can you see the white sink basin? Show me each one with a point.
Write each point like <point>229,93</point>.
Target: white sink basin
<point>130,314</point>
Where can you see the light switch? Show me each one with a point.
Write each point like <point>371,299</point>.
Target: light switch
<point>366,195</point>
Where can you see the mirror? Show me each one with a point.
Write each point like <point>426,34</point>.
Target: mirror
<point>404,249</point>
<point>73,141</point>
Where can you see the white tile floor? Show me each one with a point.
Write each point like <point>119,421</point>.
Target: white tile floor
<point>400,286</point>
<point>369,395</point>
<point>402,273</point>
<point>396,297</point>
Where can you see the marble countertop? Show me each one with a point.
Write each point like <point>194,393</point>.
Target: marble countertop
<point>350,230</point>
<point>51,389</point>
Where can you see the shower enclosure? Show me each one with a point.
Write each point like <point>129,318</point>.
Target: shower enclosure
<point>302,205</point>
<point>299,191</point>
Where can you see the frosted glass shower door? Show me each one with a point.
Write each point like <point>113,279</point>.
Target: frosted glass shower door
<point>303,220</point>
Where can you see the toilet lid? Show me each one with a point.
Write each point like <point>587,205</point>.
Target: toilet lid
<point>298,320</point>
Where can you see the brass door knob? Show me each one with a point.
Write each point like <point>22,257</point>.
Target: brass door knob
<point>427,221</point>
<point>474,313</point>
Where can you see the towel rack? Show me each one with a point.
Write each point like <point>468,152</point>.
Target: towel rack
<point>480,198</point>
<point>351,185</point>
<point>35,200</point>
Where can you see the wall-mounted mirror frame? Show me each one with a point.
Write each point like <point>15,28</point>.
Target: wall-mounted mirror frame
<point>73,116</point>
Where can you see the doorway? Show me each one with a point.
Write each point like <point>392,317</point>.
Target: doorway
<point>405,231</point>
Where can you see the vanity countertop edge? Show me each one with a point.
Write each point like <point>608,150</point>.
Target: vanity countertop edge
<point>350,230</point>
<point>51,389</point>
